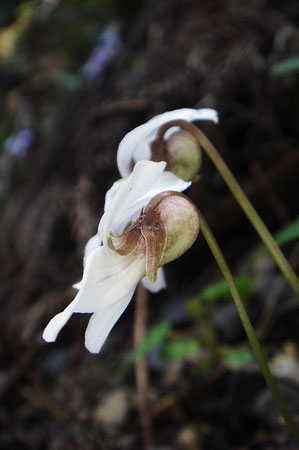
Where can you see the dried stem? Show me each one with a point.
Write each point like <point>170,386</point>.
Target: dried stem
<point>141,367</point>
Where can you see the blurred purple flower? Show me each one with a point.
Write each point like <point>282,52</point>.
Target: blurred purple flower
<point>102,55</point>
<point>18,145</point>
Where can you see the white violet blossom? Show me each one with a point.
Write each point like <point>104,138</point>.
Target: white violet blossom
<point>135,146</point>
<point>109,279</point>
<point>118,257</point>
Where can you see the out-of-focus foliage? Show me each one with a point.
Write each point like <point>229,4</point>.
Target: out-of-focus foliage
<point>236,357</point>
<point>285,67</point>
<point>216,291</point>
<point>288,234</point>
<point>180,348</point>
<point>154,337</point>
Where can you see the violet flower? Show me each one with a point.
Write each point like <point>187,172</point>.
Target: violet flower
<point>113,270</point>
<point>135,146</point>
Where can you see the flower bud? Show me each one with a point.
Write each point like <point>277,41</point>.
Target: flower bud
<point>182,153</point>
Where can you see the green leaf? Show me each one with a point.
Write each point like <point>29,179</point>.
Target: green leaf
<point>154,337</point>
<point>181,349</point>
<point>284,236</point>
<point>233,358</point>
<point>195,308</point>
<point>285,67</point>
<point>218,290</point>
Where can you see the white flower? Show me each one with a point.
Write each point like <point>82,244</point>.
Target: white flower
<point>135,146</point>
<point>109,279</point>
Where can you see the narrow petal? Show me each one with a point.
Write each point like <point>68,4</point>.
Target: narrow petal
<point>101,323</point>
<point>54,326</point>
<point>159,284</point>
<point>93,243</point>
<point>107,279</point>
<point>122,205</point>
<point>135,145</point>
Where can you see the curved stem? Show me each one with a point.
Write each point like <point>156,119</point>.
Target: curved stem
<point>141,367</point>
<point>242,199</point>
<point>255,345</point>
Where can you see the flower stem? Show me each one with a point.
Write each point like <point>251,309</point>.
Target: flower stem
<point>141,368</point>
<point>256,348</point>
<point>242,199</point>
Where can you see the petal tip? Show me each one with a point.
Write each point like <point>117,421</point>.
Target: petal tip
<point>48,335</point>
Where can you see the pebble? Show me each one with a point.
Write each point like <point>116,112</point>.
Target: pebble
<point>114,408</point>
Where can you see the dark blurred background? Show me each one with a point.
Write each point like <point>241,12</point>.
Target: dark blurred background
<point>75,77</point>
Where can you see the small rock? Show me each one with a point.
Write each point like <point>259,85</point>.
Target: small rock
<point>286,364</point>
<point>188,438</point>
<point>114,407</point>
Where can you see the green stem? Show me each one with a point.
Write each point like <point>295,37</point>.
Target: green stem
<point>256,348</point>
<point>242,199</point>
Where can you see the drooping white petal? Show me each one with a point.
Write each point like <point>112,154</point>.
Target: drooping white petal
<point>159,284</point>
<point>122,204</point>
<point>93,243</point>
<point>54,326</point>
<point>107,279</point>
<point>101,323</point>
<point>135,146</point>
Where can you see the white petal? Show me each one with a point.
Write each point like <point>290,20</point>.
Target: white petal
<point>159,284</point>
<point>101,323</point>
<point>107,279</point>
<point>135,145</point>
<point>77,285</point>
<point>168,181</point>
<point>121,206</point>
<point>111,193</point>
<point>93,243</point>
<point>54,326</point>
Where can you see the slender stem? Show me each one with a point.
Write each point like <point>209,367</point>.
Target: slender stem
<point>242,199</point>
<point>141,367</point>
<point>256,348</point>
